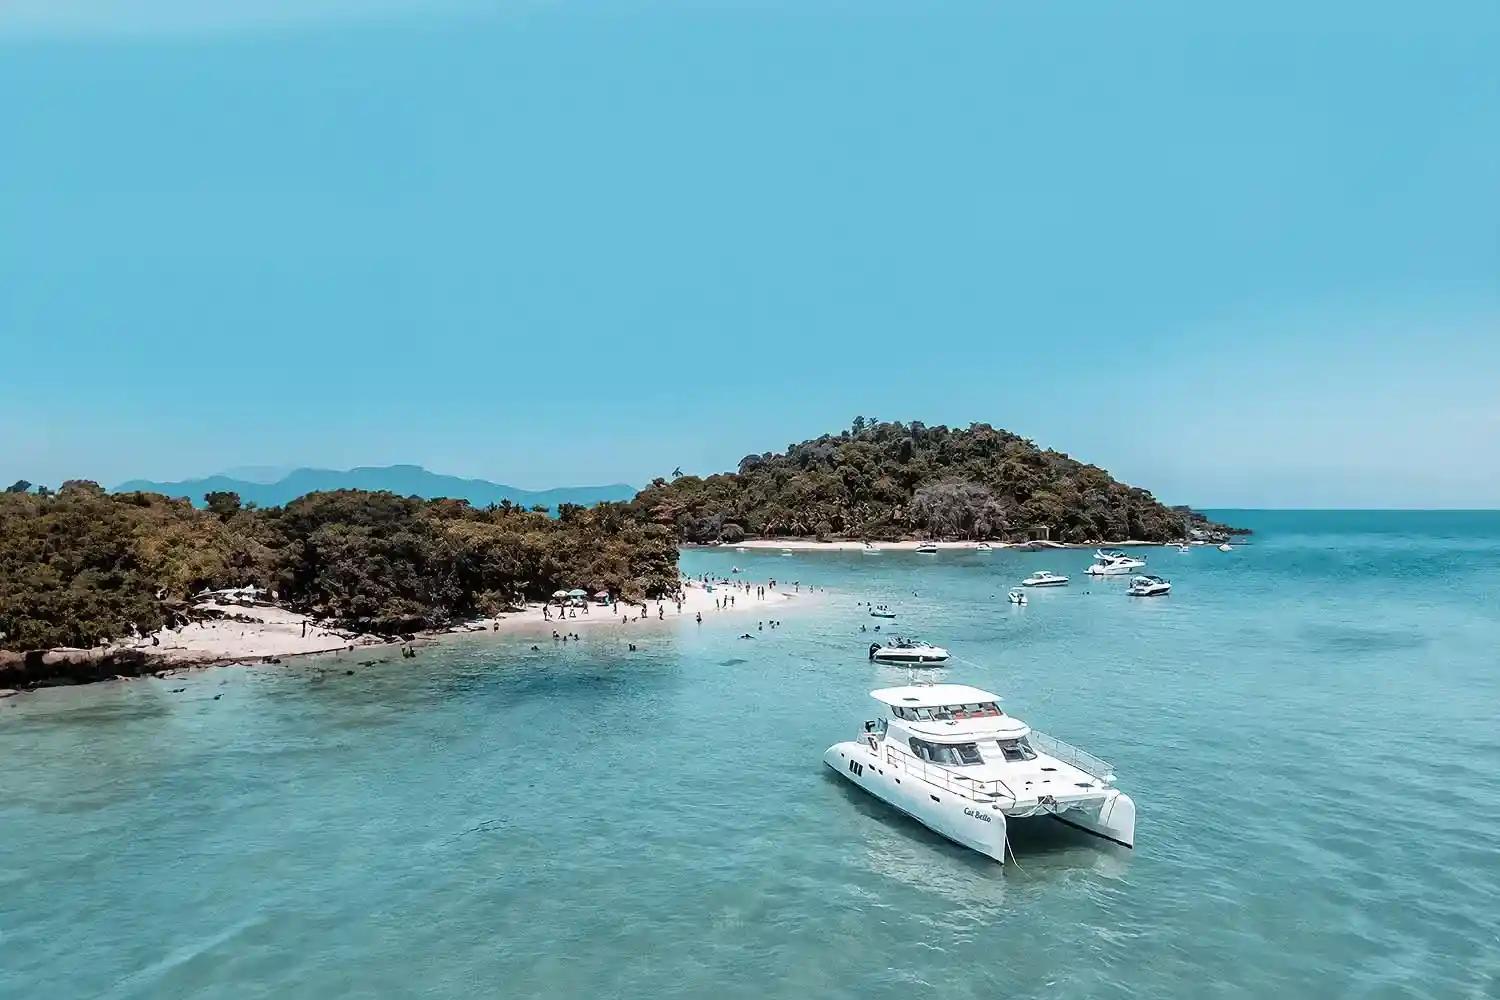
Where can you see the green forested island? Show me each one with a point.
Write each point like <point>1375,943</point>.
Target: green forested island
<point>80,566</point>
<point>880,480</point>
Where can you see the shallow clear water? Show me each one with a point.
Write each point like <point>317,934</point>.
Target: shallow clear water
<point>1308,726</point>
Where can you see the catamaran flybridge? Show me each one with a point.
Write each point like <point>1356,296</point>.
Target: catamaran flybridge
<point>908,652</point>
<point>946,755</point>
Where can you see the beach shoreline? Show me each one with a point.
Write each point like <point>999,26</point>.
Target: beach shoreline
<point>250,635</point>
<point>909,545</point>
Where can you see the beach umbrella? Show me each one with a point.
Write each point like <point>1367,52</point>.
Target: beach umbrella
<point>559,593</point>
<point>576,592</point>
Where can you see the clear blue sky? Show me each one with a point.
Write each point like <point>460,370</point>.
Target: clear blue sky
<point>1242,256</point>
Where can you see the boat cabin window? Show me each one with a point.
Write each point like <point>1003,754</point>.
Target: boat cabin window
<point>1017,749</point>
<point>946,753</point>
<point>947,713</point>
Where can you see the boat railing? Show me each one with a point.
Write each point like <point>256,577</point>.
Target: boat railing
<point>947,778</point>
<point>1069,754</point>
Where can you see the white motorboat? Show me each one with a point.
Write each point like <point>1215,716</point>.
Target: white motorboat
<point>908,652</point>
<point>1183,548</point>
<point>1225,547</point>
<point>983,547</point>
<point>1108,567</point>
<point>1116,555</point>
<point>882,611</point>
<point>1016,595</point>
<point>1043,578</point>
<point>786,552</point>
<point>1149,586</point>
<point>870,550</point>
<point>926,549</point>
<point>947,756</point>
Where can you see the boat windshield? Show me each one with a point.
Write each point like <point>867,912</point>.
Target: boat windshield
<point>949,713</point>
<point>1017,749</point>
<point>953,754</point>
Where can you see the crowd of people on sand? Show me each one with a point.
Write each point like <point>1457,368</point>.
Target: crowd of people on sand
<point>727,592</point>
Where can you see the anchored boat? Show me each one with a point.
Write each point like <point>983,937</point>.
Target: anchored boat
<point>926,549</point>
<point>946,755</point>
<point>1149,586</point>
<point>1042,578</point>
<point>908,652</point>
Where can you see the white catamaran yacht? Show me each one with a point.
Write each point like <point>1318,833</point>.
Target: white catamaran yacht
<point>908,652</point>
<point>1042,578</point>
<point>946,755</point>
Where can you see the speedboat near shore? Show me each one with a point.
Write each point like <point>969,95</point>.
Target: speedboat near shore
<point>1016,595</point>
<point>881,611</point>
<point>1118,556</point>
<point>1108,567</point>
<point>948,757</point>
<point>926,549</point>
<point>908,652</point>
<point>983,547</point>
<point>1149,586</point>
<point>1042,578</point>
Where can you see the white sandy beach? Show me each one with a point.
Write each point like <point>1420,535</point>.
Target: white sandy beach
<point>696,599</point>
<point>271,631</point>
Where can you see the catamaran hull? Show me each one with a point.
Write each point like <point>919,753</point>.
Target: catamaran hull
<point>1114,820</point>
<point>973,825</point>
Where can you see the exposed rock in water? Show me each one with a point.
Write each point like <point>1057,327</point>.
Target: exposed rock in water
<point>53,667</point>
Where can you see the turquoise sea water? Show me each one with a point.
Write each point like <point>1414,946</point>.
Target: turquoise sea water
<point>1310,726</point>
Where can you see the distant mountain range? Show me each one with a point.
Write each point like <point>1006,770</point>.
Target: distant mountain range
<point>404,480</point>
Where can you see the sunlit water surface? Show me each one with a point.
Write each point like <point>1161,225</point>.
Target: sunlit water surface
<point>1310,726</point>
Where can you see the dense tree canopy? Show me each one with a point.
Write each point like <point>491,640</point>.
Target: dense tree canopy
<point>84,565</point>
<point>889,480</point>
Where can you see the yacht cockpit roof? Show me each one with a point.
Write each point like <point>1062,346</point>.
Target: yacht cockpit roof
<point>931,695</point>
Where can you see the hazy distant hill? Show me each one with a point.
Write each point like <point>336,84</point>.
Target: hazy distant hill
<point>403,480</point>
